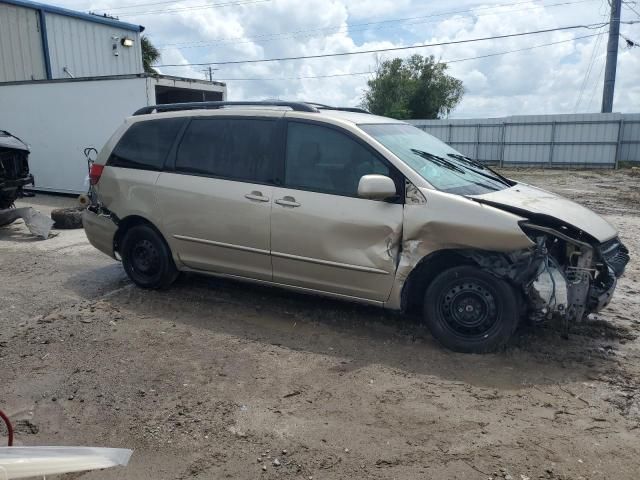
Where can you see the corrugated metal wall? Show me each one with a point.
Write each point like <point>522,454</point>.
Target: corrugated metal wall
<point>21,52</point>
<point>588,140</point>
<point>629,144</point>
<point>86,48</point>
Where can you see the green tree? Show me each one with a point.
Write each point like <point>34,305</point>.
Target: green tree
<point>149,54</point>
<point>416,87</point>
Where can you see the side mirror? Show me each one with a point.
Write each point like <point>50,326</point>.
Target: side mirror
<point>376,187</point>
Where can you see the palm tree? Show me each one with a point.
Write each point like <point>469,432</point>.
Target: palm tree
<point>149,54</point>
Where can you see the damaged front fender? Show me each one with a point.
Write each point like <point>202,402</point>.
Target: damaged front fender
<point>436,221</point>
<point>556,273</point>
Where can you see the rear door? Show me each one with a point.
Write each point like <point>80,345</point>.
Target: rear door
<point>217,200</point>
<point>323,236</point>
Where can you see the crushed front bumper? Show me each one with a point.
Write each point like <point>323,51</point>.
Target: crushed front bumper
<point>575,291</point>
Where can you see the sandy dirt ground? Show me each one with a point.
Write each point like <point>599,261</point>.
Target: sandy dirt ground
<point>216,379</point>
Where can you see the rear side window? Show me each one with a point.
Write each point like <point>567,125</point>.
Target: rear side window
<point>145,145</point>
<point>232,148</point>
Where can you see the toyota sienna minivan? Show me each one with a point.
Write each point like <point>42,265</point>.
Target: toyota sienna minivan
<point>339,202</point>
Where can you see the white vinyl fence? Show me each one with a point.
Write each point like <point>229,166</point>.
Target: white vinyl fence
<point>598,140</point>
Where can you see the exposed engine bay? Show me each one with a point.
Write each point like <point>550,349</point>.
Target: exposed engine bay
<point>566,274</point>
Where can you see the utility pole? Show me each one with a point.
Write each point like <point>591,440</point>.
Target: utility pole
<point>612,57</point>
<point>208,72</point>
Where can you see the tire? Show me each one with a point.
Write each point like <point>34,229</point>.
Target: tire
<point>147,259</point>
<point>67,218</point>
<point>469,310</point>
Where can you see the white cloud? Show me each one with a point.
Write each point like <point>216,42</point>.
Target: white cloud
<point>542,80</point>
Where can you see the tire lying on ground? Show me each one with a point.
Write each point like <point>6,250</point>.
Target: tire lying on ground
<point>67,218</point>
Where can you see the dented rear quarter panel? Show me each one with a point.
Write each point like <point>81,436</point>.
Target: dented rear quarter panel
<point>448,222</point>
<point>126,192</point>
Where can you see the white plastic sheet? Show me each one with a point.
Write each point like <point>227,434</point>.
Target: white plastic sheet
<point>24,462</point>
<point>37,223</point>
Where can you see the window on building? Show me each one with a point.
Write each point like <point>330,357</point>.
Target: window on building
<point>145,144</point>
<point>325,160</point>
<point>237,149</point>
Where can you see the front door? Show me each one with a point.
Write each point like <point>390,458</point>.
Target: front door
<point>323,236</point>
<point>216,203</point>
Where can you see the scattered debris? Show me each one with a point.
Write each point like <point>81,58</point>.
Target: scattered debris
<point>37,223</point>
<point>292,394</point>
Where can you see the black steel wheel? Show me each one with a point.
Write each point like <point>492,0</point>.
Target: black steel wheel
<point>469,310</point>
<point>146,258</point>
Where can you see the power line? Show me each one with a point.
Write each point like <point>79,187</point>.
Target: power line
<point>523,49</point>
<point>268,37</point>
<point>390,49</point>
<point>457,60</point>
<point>164,2</point>
<point>627,4</point>
<point>351,74</point>
<point>349,25</point>
<point>192,8</point>
<point>596,83</point>
<point>585,79</point>
<point>204,6</point>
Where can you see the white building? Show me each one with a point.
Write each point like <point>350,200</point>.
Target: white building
<point>68,79</point>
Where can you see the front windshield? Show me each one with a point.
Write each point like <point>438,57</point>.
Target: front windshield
<point>435,161</point>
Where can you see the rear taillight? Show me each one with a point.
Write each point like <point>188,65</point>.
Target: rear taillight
<point>95,173</point>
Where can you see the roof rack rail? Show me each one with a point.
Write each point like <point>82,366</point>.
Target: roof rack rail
<point>321,106</point>
<point>172,107</point>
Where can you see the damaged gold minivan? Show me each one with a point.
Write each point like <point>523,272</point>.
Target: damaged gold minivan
<point>339,202</point>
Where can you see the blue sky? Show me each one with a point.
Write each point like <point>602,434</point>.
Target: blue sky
<point>551,79</point>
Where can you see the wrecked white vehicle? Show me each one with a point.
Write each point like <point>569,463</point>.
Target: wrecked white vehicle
<point>342,203</point>
<point>14,168</point>
<point>14,176</point>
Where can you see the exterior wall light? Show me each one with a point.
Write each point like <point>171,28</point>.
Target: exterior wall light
<point>127,42</point>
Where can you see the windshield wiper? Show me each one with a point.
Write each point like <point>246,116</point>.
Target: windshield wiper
<point>481,166</point>
<point>443,162</point>
<point>440,161</point>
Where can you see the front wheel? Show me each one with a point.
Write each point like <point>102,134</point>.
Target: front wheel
<point>146,258</point>
<point>469,310</point>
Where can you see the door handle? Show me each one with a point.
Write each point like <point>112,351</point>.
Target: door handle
<point>257,196</point>
<point>287,202</point>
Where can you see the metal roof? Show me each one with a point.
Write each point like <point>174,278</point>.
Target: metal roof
<point>75,14</point>
<point>115,77</point>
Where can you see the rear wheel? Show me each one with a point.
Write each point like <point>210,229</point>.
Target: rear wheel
<point>469,310</point>
<point>146,258</point>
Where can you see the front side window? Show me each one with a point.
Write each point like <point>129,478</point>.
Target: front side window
<point>230,148</point>
<point>325,160</point>
<point>145,144</point>
<point>435,161</point>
